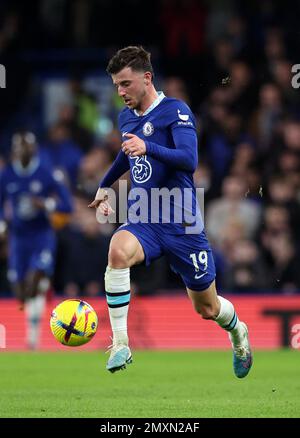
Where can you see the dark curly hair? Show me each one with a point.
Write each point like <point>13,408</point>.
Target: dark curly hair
<point>135,57</point>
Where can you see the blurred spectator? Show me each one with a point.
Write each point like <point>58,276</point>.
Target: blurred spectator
<point>113,142</point>
<point>80,135</point>
<point>253,180</point>
<point>247,272</point>
<point>232,210</point>
<point>202,179</point>
<point>285,157</point>
<point>218,62</point>
<point>87,111</point>
<point>274,46</point>
<point>244,156</point>
<point>275,224</point>
<point>236,30</point>
<point>241,88</point>
<point>275,221</point>
<point>285,273</point>
<point>291,134</point>
<point>61,152</point>
<point>245,165</point>
<point>223,131</point>
<point>288,162</point>
<point>282,191</point>
<point>176,87</point>
<point>220,13</point>
<point>266,116</point>
<point>183,27</point>
<point>281,72</point>
<point>92,169</point>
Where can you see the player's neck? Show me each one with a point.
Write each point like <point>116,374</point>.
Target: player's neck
<point>25,162</point>
<point>148,100</point>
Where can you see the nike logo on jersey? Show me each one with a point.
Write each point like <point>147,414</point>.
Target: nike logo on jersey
<point>183,117</point>
<point>197,277</point>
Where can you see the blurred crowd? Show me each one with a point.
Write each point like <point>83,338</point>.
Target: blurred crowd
<point>232,63</point>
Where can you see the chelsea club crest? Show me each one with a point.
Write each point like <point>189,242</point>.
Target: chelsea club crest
<point>148,129</point>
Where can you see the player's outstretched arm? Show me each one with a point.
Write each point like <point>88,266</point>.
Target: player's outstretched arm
<point>118,168</point>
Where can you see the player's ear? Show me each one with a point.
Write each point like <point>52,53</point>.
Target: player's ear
<point>147,78</point>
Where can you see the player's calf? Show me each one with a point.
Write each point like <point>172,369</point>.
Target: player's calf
<point>205,302</point>
<point>125,251</point>
<point>117,288</point>
<point>207,311</point>
<point>212,306</point>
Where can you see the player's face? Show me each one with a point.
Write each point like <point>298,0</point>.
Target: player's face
<point>131,86</point>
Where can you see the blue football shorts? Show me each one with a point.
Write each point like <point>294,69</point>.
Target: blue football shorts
<point>31,252</point>
<point>189,255</point>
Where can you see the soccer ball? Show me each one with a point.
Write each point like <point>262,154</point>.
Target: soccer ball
<point>73,322</point>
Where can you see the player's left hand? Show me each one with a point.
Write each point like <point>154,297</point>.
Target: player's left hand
<point>134,147</point>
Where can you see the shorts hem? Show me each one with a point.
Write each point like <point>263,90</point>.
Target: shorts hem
<point>200,288</point>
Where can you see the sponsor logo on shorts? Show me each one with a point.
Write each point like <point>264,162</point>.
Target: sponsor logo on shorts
<point>197,277</point>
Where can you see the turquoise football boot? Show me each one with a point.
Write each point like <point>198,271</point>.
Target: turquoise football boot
<point>242,355</point>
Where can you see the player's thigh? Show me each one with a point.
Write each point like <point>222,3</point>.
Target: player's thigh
<point>149,247</point>
<point>125,247</point>
<point>206,301</point>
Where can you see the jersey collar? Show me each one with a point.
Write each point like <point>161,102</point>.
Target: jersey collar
<point>26,171</point>
<point>157,101</point>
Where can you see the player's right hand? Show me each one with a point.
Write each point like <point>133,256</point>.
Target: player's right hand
<point>101,196</point>
<point>101,202</point>
<point>105,208</point>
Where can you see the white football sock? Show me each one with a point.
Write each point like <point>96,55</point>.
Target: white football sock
<point>117,288</point>
<point>227,318</point>
<point>34,308</point>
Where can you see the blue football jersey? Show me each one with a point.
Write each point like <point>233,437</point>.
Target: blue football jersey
<point>19,186</point>
<point>159,125</point>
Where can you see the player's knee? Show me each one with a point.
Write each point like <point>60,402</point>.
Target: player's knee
<point>118,258</point>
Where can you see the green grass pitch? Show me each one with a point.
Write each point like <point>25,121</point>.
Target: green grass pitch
<point>158,384</point>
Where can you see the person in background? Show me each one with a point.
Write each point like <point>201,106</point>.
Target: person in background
<point>29,195</point>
